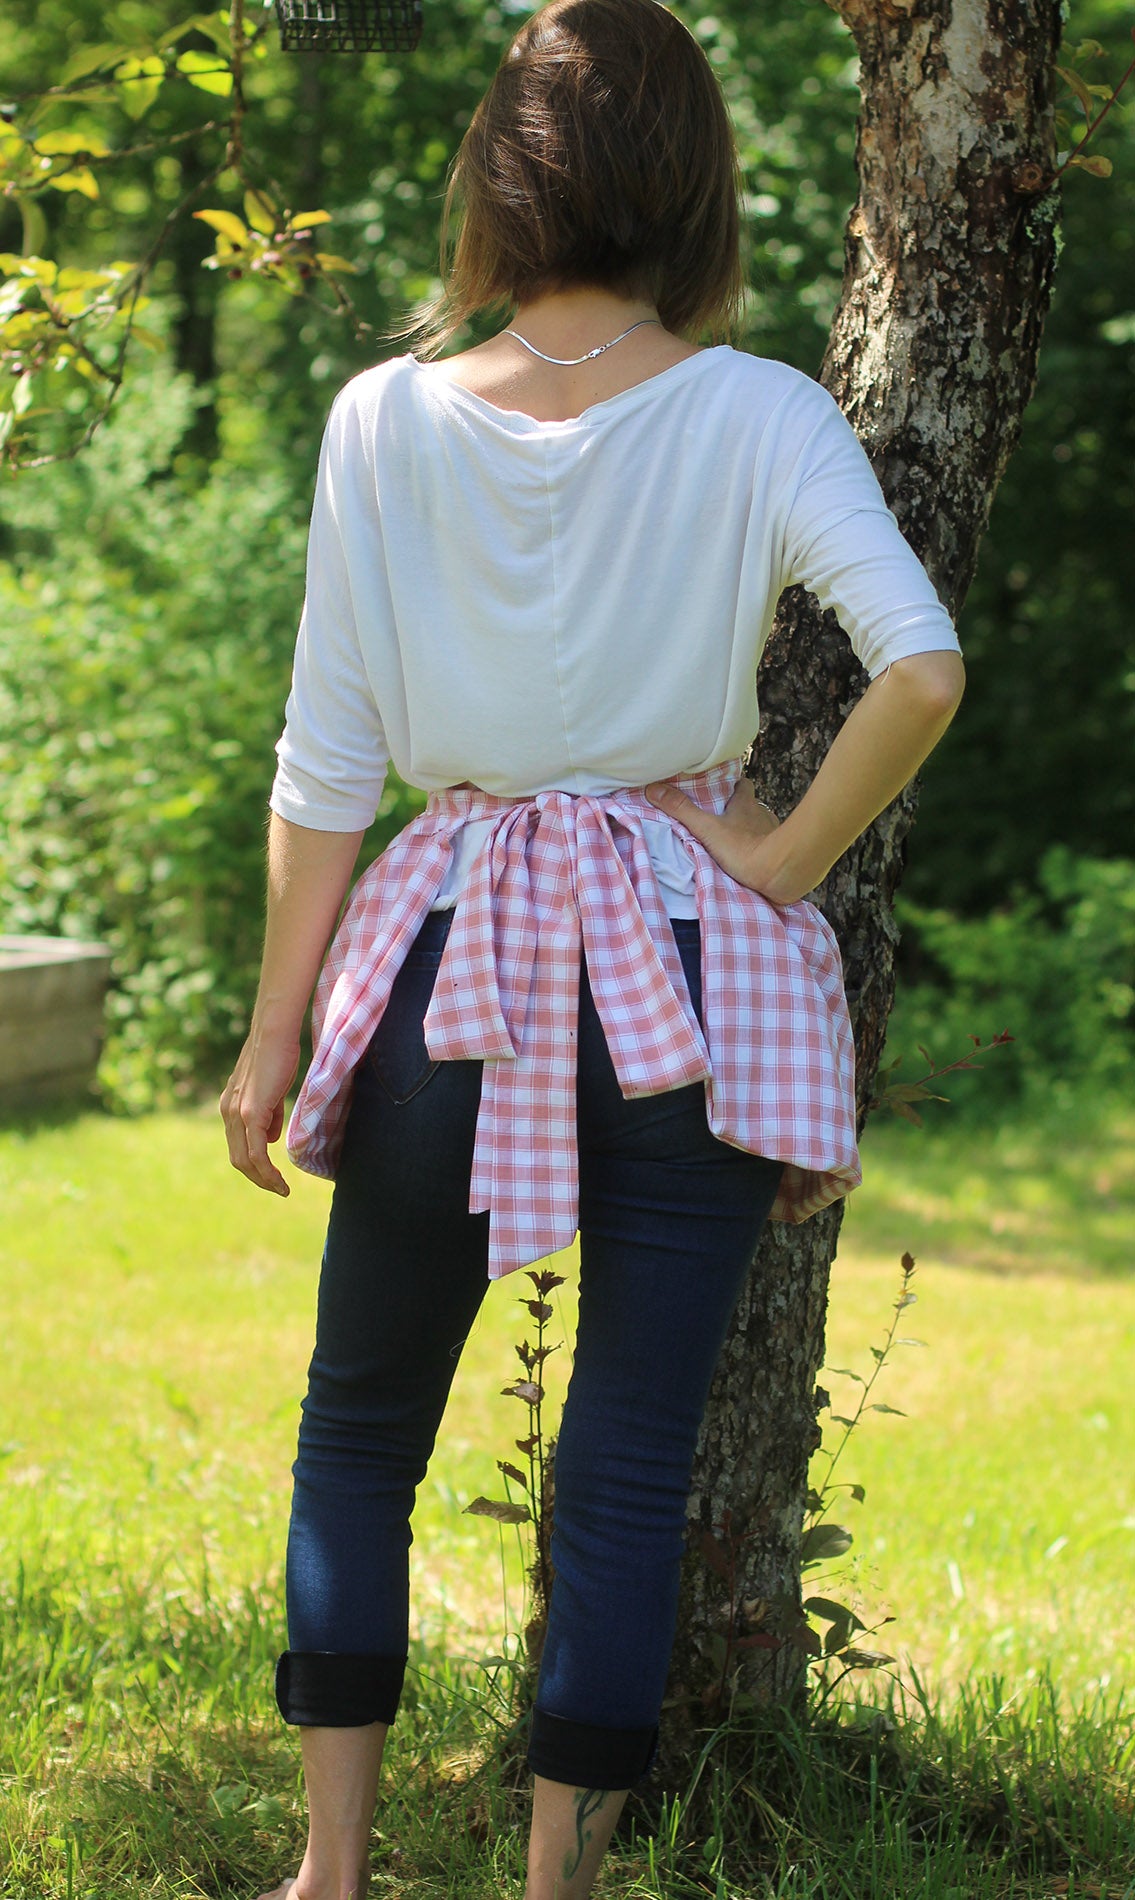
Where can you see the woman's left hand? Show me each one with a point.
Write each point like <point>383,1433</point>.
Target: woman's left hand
<point>736,838</point>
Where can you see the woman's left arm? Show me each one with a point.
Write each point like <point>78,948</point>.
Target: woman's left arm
<point>308,875</point>
<point>842,542</point>
<point>878,749</point>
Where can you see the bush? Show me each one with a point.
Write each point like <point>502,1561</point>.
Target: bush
<point>1056,968</point>
<point>148,632</point>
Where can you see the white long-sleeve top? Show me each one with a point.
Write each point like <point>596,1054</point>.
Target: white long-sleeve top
<point>579,605</point>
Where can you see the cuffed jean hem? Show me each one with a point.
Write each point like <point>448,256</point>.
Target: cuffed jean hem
<point>323,1689</point>
<point>586,1756</point>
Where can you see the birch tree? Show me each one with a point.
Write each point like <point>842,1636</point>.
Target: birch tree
<point>949,256</point>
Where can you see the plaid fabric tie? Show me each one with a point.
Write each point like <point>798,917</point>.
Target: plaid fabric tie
<point>563,874</point>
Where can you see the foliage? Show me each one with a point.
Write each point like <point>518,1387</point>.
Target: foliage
<point>65,334</point>
<point>752,1624</point>
<point>149,626</point>
<point>1057,965</point>
<point>538,1451</point>
<point>1038,754</point>
<point>748,1625</point>
<point>1047,632</point>
<point>204,119</point>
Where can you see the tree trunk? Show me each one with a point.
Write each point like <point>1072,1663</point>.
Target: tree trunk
<point>949,260</point>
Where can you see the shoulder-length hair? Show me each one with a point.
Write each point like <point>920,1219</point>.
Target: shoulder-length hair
<point>602,154</point>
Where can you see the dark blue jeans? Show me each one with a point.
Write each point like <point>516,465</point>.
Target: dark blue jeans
<point>669,1219</point>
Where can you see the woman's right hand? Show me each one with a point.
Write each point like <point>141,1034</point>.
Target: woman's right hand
<point>252,1105</point>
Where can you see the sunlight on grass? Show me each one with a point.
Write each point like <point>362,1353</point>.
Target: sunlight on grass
<point>160,1316</point>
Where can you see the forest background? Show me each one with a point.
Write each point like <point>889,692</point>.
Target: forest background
<point>150,587</point>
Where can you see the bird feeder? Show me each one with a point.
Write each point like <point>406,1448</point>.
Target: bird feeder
<point>349,26</point>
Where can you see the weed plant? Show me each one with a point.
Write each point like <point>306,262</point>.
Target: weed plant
<point>141,1755</point>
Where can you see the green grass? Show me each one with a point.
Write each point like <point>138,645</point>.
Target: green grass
<point>158,1323</point>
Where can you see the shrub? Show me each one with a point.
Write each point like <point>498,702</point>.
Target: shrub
<point>1056,967</point>
<point>148,631</point>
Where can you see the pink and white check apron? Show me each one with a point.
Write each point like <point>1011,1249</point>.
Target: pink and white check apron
<point>562,873</point>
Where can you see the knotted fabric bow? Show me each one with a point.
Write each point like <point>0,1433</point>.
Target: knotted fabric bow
<point>563,875</point>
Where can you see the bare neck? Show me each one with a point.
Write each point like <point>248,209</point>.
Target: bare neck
<point>567,324</point>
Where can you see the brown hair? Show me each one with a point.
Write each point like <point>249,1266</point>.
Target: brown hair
<point>602,154</point>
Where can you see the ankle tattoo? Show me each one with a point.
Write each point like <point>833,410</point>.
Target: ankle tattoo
<point>588,1801</point>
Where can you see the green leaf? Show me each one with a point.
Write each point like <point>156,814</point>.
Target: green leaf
<point>877,1407</point>
<point>268,1809</point>
<point>260,212</point>
<point>212,25</point>
<point>91,59</point>
<point>80,178</point>
<point>824,1541</point>
<point>206,72</point>
<point>845,1372</point>
<point>227,223</point>
<point>499,1510</point>
<point>139,82</point>
<point>1075,84</point>
<point>327,260</point>
<point>837,1419</point>
<point>56,143</point>
<point>22,394</point>
<point>215,27</point>
<point>42,269</point>
<point>35,225</point>
<point>832,1612</point>
<point>1094,163</point>
<point>72,279</point>
<point>229,1800</point>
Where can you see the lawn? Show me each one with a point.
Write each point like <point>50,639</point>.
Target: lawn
<point>158,1320</point>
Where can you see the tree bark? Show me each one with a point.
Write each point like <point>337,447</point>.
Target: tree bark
<point>949,255</point>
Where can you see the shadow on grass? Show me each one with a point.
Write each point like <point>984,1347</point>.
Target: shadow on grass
<point>141,1754</point>
<point>26,1120</point>
<point>1047,1193</point>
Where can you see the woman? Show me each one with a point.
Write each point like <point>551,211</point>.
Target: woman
<point>583,989</point>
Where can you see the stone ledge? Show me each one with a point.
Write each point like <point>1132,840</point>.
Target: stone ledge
<point>52,992</point>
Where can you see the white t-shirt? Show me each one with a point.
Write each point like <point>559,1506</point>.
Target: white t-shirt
<point>579,605</point>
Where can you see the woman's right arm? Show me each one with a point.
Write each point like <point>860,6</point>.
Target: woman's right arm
<point>332,764</point>
<point>308,875</point>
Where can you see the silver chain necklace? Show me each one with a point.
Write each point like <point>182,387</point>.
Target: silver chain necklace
<point>588,354</point>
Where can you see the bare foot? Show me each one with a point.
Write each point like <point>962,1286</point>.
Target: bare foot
<point>290,1889</point>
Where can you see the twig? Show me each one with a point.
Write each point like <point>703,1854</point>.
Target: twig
<point>1094,124</point>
